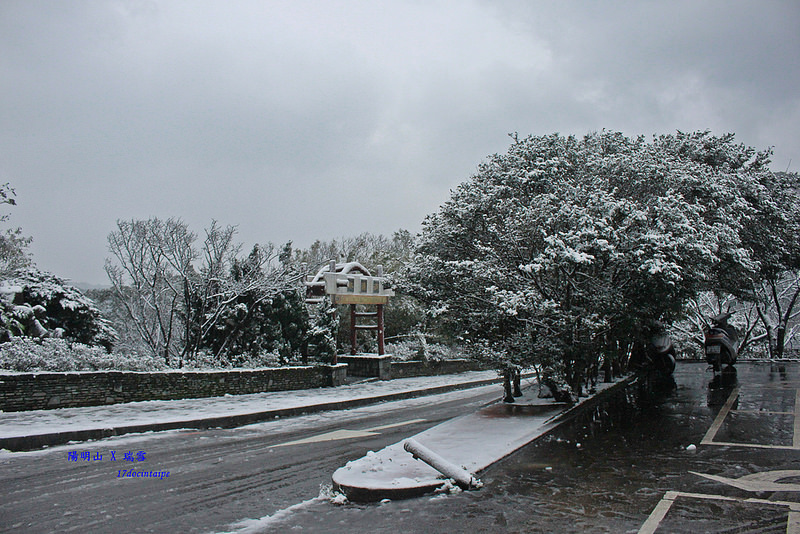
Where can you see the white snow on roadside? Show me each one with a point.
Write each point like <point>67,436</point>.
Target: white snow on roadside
<point>149,412</point>
<point>253,526</point>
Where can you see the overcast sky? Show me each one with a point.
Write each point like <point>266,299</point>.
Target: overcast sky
<point>302,120</point>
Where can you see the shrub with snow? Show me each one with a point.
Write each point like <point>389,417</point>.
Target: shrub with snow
<point>24,354</point>
<point>416,347</point>
<point>206,361</point>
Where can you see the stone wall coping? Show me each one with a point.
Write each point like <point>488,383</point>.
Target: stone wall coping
<point>433,361</point>
<point>366,356</point>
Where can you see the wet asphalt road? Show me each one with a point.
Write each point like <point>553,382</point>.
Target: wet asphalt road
<point>638,463</point>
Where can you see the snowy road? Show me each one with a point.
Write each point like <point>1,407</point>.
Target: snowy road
<point>700,459</point>
<point>205,481</point>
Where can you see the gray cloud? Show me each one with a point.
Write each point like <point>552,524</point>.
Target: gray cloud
<point>304,120</point>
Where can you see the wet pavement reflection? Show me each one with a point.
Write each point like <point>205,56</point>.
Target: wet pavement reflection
<point>639,462</point>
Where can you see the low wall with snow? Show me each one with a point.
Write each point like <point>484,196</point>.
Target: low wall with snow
<point>434,367</point>
<point>39,391</point>
<point>384,368</point>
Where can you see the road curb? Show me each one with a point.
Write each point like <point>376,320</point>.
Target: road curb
<point>39,441</point>
<point>590,402</point>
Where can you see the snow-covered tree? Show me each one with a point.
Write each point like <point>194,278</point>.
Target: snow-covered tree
<point>322,331</point>
<point>766,313</point>
<point>257,308</point>
<point>150,280</point>
<point>183,299</point>
<point>773,235</point>
<point>38,304</point>
<point>778,306</point>
<point>564,252</point>
<point>368,249</point>
<point>13,245</point>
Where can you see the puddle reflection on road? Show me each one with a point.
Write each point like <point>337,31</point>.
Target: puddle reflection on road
<point>599,472</point>
<point>604,472</point>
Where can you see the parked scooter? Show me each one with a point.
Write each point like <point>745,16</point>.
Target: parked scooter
<point>721,343</point>
<point>656,359</point>
<point>661,353</point>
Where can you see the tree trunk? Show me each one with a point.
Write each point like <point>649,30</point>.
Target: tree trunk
<point>780,341</point>
<point>768,328</point>
<point>508,395</point>
<point>517,385</point>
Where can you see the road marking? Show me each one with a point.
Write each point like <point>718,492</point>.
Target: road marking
<point>394,425</point>
<point>708,439</point>
<point>762,412</point>
<point>790,384</point>
<point>796,434</point>
<point>763,481</point>
<point>330,436</point>
<point>752,445</point>
<point>660,511</point>
<point>658,514</point>
<point>346,434</point>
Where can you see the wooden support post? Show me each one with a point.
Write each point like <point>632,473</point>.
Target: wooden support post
<point>353,340</point>
<point>380,330</point>
<point>335,334</point>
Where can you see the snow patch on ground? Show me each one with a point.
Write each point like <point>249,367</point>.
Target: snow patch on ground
<point>246,526</point>
<point>252,526</point>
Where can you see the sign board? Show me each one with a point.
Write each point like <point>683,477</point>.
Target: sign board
<point>356,288</point>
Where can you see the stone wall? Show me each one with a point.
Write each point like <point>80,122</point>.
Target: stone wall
<point>38,391</point>
<point>433,367</point>
<point>382,367</point>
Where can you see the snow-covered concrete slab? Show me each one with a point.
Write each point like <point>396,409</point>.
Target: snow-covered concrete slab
<point>474,442</point>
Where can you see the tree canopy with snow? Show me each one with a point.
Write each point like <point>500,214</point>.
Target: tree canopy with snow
<point>565,252</point>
